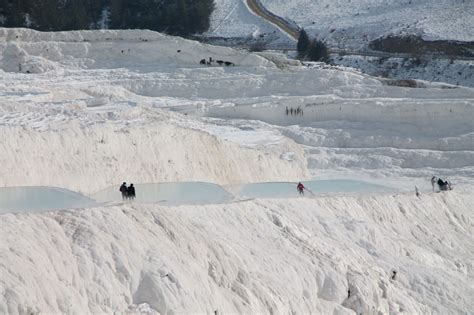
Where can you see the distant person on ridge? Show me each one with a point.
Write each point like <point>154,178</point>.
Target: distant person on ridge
<point>131,192</point>
<point>444,185</point>
<point>123,190</point>
<point>300,188</point>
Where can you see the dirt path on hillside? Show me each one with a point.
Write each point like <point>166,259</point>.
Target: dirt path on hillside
<point>257,8</point>
<point>293,31</point>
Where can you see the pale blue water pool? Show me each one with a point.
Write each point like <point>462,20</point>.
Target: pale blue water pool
<point>170,193</point>
<point>37,199</point>
<point>288,189</point>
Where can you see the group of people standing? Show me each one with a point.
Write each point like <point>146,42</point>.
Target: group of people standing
<point>127,192</point>
<point>296,112</point>
<point>443,185</point>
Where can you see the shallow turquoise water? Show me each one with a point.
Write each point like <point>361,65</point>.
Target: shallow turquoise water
<point>171,193</point>
<point>34,199</point>
<point>288,189</point>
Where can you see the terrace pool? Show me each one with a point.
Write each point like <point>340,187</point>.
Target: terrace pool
<point>315,187</point>
<point>37,199</point>
<point>170,193</point>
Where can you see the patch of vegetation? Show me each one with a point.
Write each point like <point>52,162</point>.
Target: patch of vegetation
<point>176,17</point>
<point>417,46</point>
<point>303,44</point>
<point>404,83</point>
<point>314,50</point>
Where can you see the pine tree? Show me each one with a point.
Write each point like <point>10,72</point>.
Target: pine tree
<point>303,43</point>
<point>78,17</point>
<point>47,15</point>
<point>95,11</point>
<point>318,51</point>
<point>177,17</point>
<point>199,16</point>
<point>14,12</point>
<point>181,17</point>
<point>3,12</point>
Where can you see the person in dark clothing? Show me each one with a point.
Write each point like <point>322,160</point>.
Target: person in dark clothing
<point>131,192</point>
<point>123,190</point>
<point>444,185</point>
<point>440,182</point>
<point>394,275</point>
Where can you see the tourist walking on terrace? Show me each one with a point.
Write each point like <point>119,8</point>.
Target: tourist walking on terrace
<point>131,192</point>
<point>300,188</point>
<point>123,190</point>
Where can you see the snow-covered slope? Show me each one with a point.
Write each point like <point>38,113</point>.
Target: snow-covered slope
<point>351,22</point>
<point>88,110</point>
<point>351,25</point>
<point>103,124</point>
<point>321,256</point>
<point>26,50</point>
<point>95,157</point>
<point>411,132</point>
<point>233,18</point>
<point>456,72</point>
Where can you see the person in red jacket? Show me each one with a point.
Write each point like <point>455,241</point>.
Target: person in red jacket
<point>300,188</point>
